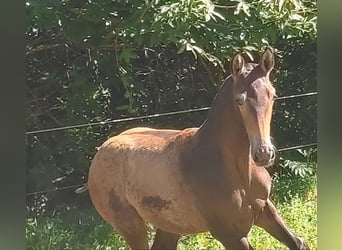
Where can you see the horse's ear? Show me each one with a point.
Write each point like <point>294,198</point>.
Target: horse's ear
<point>236,66</point>
<point>267,60</point>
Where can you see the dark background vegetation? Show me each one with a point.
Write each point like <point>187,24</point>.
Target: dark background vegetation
<point>93,61</point>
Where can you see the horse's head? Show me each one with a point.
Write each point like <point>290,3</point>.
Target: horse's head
<point>254,96</point>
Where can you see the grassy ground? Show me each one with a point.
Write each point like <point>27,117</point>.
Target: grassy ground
<point>86,230</point>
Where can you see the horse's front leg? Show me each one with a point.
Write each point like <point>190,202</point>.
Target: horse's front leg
<point>269,219</point>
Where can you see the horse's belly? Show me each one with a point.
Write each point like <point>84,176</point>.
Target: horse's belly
<point>172,215</point>
<point>161,197</point>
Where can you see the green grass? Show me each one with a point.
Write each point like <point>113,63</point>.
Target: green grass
<point>86,230</point>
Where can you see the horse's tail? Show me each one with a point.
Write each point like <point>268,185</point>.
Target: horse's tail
<point>82,189</point>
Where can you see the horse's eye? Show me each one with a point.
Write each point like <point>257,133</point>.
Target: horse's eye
<point>241,99</point>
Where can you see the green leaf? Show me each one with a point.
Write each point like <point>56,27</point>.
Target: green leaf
<point>181,49</point>
<point>122,107</point>
<point>280,5</point>
<point>218,15</point>
<point>127,54</point>
<point>296,17</point>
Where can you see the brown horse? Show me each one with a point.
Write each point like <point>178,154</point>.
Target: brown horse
<point>211,178</point>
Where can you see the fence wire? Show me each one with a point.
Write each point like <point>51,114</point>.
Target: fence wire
<point>81,184</point>
<point>146,116</point>
<point>151,116</point>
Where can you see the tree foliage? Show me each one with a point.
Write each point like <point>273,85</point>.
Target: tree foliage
<point>90,61</point>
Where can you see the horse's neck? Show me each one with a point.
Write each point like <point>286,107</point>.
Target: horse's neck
<point>224,130</point>
<point>223,121</point>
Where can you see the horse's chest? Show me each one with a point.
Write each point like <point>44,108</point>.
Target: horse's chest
<point>241,209</point>
<point>243,205</point>
<point>247,202</point>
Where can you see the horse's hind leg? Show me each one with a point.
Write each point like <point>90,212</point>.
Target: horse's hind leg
<point>165,241</point>
<point>124,218</point>
<point>133,230</point>
<point>270,220</point>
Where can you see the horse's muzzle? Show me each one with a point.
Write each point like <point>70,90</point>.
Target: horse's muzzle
<point>264,156</point>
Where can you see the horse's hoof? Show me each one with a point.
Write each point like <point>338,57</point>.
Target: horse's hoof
<point>304,246</point>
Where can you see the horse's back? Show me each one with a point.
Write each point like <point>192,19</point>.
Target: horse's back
<point>141,166</point>
<point>131,152</point>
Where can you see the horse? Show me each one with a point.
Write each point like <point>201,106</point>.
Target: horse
<point>207,179</point>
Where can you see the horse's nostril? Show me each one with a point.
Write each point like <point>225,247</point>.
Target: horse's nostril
<point>259,158</point>
<point>264,156</point>
<point>260,153</point>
